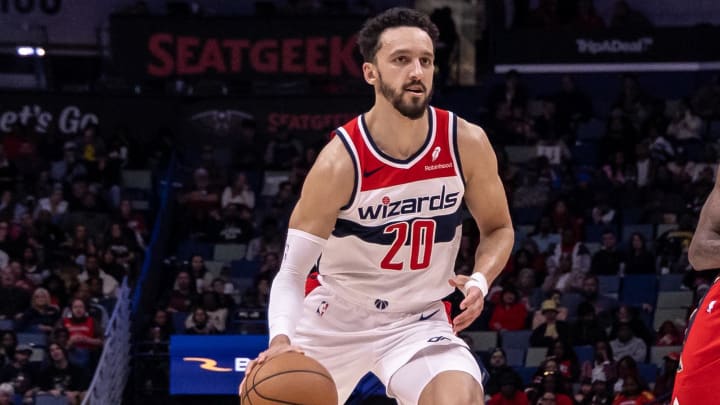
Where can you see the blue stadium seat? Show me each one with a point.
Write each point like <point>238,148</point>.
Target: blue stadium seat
<point>187,248</point>
<point>639,289</point>
<point>671,282</point>
<point>585,154</point>
<point>32,339</point>
<point>593,129</point>
<point>609,285</point>
<point>7,324</point>
<point>517,339</point>
<point>178,319</point>
<point>632,216</point>
<point>515,357</point>
<point>535,355</point>
<point>526,215</point>
<point>584,353</point>
<point>244,268</point>
<point>526,374</point>
<point>648,372</point>
<point>571,302</point>
<point>594,232</point>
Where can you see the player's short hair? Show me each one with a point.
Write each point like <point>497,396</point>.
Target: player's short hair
<point>369,36</point>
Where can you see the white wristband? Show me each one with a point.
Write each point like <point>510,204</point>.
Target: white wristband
<point>478,280</point>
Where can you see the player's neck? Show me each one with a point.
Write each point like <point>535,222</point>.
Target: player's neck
<point>396,135</point>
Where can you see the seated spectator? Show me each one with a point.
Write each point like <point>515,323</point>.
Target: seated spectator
<point>626,367</point>
<point>566,359</point>
<point>7,392</point>
<point>8,342</point>
<point>629,315</point>
<point>552,387</point>
<point>41,316</point>
<point>62,378</point>
<point>198,272</point>
<point>550,330</point>
<point>578,252</point>
<point>269,240</point>
<point>602,367</point>
<point>30,267</point>
<point>669,335</point>
<point>93,270</point>
<point>201,195</point>
<point>509,314</point>
<point>584,394</point>
<point>633,393</point>
<point>586,330</point>
<point>199,323</point>
<point>109,262</point>
<point>562,277</point>
<point>183,296</point>
<point>258,295</point>
<point>223,289</point>
<point>132,220</point>
<point>79,243</point>
<point>13,300</point>
<point>217,316</point>
<point>510,392</point>
<point>600,395</point>
<point>497,368</point>
<point>84,334</point>
<point>239,192</point>
<point>527,293</point>
<point>685,126</point>
<point>544,236</point>
<point>607,260</point>
<point>55,204</point>
<point>640,260</point>
<point>121,241</point>
<point>160,327</point>
<point>626,344</point>
<point>665,381</point>
<point>20,373</point>
<point>236,225</point>
<point>603,305</point>
<point>539,318</point>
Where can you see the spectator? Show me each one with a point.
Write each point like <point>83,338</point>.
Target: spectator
<point>183,296</point>
<point>55,204</point>
<point>607,260</point>
<point>70,167</point>
<point>545,236</point>
<point>629,315</point>
<point>20,373</point>
<point>62,378</point>
<point>82,329</point>
<point>586,330</point>
<point>633,393</point>
<point>239,192</point>
<point>269,240</point>
<point>121,241</point>
<point>586,18</point>
<point>603,305</point>
<point>584,394</point>
<point>602,367</point>
<point>552,386</point>
<point>8,343</point>
<point>447,43</point>
<point>561,275</point>
<point>669,335</point>
<point>562,312</point>
<point>566,359</point>
<point>13,300</point>
<point>282,151</point>
<point>199,324</point>
<point>627,344</point>
<point>7,392</point>
<point>640,260</point>
<point>201,195</point>
<point>131,219</point>
<point>626,367</point>
<point>497,369</point>
<point>8,171</point>
<point>216,315</point>
<point>160,327</point>
<point>510,392</point>
<point>666,379</point>
<point>258,295</point>
<point>551,330</point>
<point>236,225</point>
<point>509,314</point>
<point>93,270</point>
<point>685,126</point>
<point>512,92</point>
<point>41,316</point>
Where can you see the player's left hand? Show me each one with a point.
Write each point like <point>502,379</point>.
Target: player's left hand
<point>471,306</point>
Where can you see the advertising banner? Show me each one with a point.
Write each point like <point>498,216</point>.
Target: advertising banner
<point>236,48</point>
<point>211,364</point>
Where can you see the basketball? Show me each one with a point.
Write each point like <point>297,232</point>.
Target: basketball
<point>289,378</point>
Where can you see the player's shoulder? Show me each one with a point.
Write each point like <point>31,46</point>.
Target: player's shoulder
<point>472,141</point>
<point>334,159</point>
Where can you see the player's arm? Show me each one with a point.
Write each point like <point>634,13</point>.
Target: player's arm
<point>485,198</point>
<point>704,251</point>
<point>328,186</point>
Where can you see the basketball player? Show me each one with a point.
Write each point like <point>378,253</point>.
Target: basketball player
<point>381,209</point>
<point>697,377</point>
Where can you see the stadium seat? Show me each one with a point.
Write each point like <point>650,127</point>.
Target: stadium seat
<point>593,247</point>
<point>517,339</point>
<point>584,353</point>
<point>515,357</point>
<point>188,248</point>
<point>214,267</point>
<point>593,232</point>
<point>7,324</point>
<point>137,179</point>
<point>657,354</point>
<point>535,355</point>
<point>662,228</point>
<point>526,215</point>
<point>520,154</point>
<point>32,339</point>
<point>227,252</point>
<point>609,285</point>
<point>669,314</point>
<point>638,289</point>
<point>244,268</point>
<point>648,372</point>
<point>593,129</point>
<point>483,341</point>
<point>675,299</point>
<point>632,216</point>
<point>49,399</point>
<point>585,154</point>
<point>526,374</point>
<point>178,319</point>
<point>571,302</point>
<point>670,282</point>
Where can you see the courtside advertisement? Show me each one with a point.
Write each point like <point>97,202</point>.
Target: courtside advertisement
<point>211,364</point>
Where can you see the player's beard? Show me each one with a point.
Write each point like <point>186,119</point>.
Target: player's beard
<point>413,109</point>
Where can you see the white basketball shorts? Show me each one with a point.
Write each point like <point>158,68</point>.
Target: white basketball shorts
<point>351,341</point>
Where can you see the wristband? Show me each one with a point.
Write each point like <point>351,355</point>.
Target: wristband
<point>478,280</point>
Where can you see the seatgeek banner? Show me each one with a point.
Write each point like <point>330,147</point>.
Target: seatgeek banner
<point>211,365</point>
<point>240,47</point>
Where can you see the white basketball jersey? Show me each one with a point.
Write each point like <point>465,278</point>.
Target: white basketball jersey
<point>394,244</point>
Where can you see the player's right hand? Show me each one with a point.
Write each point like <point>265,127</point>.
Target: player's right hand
<point>279,344</point>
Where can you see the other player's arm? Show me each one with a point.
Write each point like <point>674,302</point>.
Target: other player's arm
<point>328,186</point>
<point>485,198</point>
<point>704,251</point>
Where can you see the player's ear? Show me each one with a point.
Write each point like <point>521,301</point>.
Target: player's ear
<point>369,73</point>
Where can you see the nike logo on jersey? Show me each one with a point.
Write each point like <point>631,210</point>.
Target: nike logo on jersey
<point>423,317</point>
<point>371,172</point>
